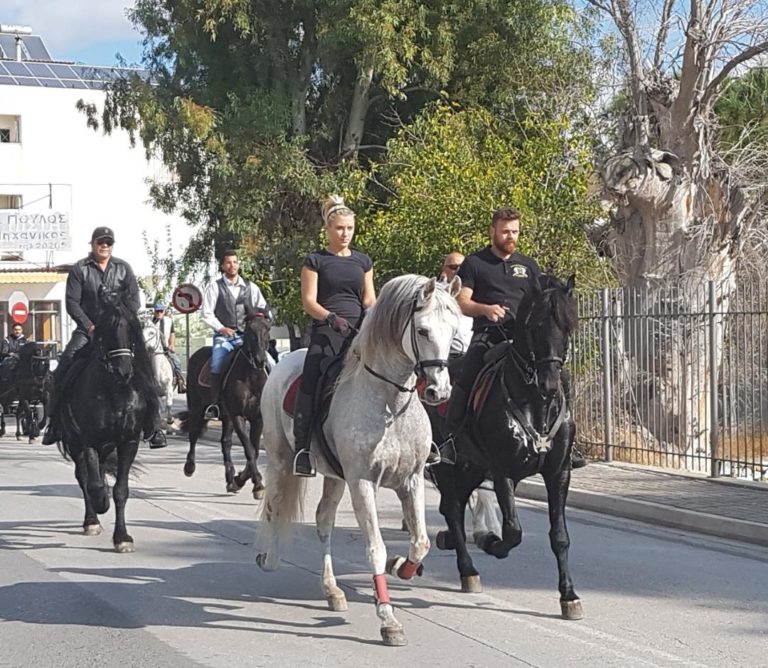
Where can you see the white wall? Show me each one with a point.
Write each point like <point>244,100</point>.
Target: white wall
<point>103,180</point>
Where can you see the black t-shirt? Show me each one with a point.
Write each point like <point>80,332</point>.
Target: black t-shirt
<point>497,281</point>
<point>340,281</point>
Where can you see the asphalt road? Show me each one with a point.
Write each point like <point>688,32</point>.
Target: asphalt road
<point>192,595</point>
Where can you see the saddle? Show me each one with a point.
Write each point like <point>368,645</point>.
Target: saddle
<point>330,369</point>
<point>204,377</point>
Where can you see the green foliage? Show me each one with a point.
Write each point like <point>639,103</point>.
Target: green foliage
<point>248,101</point>
<point>451,168</point>
<point>742,110</point>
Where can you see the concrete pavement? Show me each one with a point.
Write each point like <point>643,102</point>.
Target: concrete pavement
<point>722,507</point>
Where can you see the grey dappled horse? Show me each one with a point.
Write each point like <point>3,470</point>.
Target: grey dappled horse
<point>376,427</point>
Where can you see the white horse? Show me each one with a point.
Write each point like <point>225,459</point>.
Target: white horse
<point>376,428</point>
<point>162,368</point>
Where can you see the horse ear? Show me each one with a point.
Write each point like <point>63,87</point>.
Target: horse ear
<point>454,287</point>
<point>427,291</point>
<point>571,283</point>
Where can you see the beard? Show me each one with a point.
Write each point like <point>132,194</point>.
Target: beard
<point>505,247</point>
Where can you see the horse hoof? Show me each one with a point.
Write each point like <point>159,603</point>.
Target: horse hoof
<point>126,547</point>
<point>263,564</point>
<point>393,637</point>
<point>404,526</point>
<point>571,610</point>
<point>337,603</point>
<point>393,564</point>
<point>444,541</point>
<point>471,584</point>
<point>233,488</point>
<point>92,529</point>
<point>258,493</point>
<point>189,469</point>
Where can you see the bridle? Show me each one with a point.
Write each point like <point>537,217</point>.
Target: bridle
<point>420,366</point>
<point>245,349</point>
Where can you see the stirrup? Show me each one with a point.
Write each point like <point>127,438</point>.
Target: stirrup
<point>50,436</point>
<point>157,440</point>
<point>304,464</point>
<point>211,412</point>
<point>446,451</point>
<point>578,460</point>
<point>434,457</point>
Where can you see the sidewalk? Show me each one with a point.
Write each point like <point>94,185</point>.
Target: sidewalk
<point>721,507</point>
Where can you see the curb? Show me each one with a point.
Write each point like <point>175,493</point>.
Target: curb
<point>654,513</point>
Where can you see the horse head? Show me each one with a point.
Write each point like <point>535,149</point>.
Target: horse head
<point>34,361</point>
<point>256,335</point>
<point>115,335</point>
<point>545,323</point>
<point>152,338</point>
<point>434,321</point>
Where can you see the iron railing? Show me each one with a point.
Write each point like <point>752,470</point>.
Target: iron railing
<point>674,376</point>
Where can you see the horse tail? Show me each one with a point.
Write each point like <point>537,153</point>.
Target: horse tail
<point>283,505</point>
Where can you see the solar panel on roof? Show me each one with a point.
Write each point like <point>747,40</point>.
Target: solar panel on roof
<point>17,69</point>
<point>51,83</point>
<point>63,71</point>
<point>8,44</point>
<point>7,81</point>
<point>39,69</point>
<point>36,48</point>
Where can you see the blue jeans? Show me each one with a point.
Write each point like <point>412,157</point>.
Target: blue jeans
<point>222,346</point>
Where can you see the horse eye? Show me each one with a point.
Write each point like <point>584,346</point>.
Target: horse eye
<point>423,332</point>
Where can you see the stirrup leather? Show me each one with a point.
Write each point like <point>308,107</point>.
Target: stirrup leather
<point>304,464</point>
<point>212,412</point>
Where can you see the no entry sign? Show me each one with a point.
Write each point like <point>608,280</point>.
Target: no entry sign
<point>18,304</point>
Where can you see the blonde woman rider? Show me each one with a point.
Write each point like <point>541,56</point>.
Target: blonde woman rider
<point>336,287</point>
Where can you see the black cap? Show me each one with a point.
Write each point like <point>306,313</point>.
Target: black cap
<point>103,233</point>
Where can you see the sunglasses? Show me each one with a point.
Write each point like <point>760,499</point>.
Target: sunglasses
<point>104,242</point>
<point>452,267</point>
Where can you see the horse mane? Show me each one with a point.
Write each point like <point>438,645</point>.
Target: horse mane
<point>384,324</point>
<point>560,301</point>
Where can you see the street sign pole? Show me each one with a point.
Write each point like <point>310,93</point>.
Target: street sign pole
<point>186,317</point>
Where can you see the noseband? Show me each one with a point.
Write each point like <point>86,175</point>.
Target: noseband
<point>420,366</point>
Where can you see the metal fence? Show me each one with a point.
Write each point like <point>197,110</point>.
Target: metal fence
<point>674,376</point>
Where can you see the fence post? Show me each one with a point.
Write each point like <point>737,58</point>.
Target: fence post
<point>607,389</point>
<point>713,369</point>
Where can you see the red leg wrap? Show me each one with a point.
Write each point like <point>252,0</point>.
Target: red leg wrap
<point>380,589</point>
<point>408,569</point>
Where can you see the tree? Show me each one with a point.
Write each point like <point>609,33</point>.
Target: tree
<point>679,211</point>
<point>261,108</point>
<point>449,169</point>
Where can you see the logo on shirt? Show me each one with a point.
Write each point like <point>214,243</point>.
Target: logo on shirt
<point>519,271</point>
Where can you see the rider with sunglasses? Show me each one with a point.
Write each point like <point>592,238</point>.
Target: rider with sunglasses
<point>87,278</point>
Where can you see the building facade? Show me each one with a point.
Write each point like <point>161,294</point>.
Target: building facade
<point>59,179</point>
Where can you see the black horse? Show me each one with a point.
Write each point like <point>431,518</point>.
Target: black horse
<point>32,380</point>
<point>239,400</point>
<point>107,399</point>
<point>519,424</point>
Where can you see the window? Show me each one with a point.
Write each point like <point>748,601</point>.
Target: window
<point>10,201</point>
<point>10,129</point>
<point>43,324</point>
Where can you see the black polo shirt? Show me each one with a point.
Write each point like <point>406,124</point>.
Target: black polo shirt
<point>340,281</point>
<point>497,281</point>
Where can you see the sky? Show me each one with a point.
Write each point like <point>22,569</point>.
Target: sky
<point>86,31</point>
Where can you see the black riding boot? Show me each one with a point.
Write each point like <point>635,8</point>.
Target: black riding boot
<point>53,430</point>
<point>457,409</point>
<point>304,462</point>
<point>212,411</point>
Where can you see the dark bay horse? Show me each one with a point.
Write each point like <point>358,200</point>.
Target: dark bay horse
<point>519,424</point>
<point>105,404</point>
<point>239,400</point>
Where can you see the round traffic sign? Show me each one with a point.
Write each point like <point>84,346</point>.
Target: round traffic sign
<point>19,312</point>
<point>187,298</point>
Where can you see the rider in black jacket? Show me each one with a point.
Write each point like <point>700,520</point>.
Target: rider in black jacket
<point>100,270</point>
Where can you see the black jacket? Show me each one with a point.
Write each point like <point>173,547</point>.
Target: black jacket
<point>10,345</point>
<point>84,281</point>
